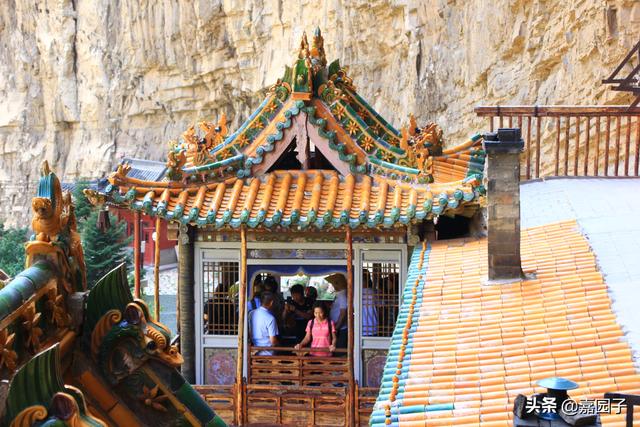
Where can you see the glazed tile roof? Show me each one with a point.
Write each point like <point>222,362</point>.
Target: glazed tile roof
<point>146,170</point>
<point>317,103</point>
<point>297,198</point>
<point>462,351</point>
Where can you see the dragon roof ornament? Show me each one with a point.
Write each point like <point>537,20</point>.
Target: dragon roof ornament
<point>123,360</point>
<point>208,152</point>
<point>313,102</point>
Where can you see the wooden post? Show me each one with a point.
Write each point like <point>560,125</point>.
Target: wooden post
<point>187,302</point>
<point>350,324</point>
<point>156,270</point>
<point>242,306</point>
<point>356,404</point>
<point>136,254</point>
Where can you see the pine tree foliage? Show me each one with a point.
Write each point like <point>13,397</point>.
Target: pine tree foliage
<point>104,249</point>
<point>83,207</point>
<point>12,255</point>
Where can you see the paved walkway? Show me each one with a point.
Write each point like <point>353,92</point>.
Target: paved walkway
<point>608,211</point>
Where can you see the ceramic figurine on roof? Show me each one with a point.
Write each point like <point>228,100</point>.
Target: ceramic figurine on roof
<point>55,228</point>
<point>312,124</point>
<point>318,58</point>
<point>118,365</point>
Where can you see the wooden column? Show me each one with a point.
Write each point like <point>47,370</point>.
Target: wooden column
<point>350,325</point>
<point>156,270</point>
<point>242,308</point>
<point>187,302</point>
<point>136,254</point>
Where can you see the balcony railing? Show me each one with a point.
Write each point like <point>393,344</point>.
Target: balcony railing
<point>222,399</point>
<point>297,405</point>
<point>569,140</point>
<point>366,397</point>
<point>285,404</point>
<point>297,367</point>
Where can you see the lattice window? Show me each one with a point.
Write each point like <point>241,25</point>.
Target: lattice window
<point>380,296</point>
<point>220,297</point>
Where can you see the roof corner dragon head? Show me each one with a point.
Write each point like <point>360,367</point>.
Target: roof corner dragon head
<point>133,353</point>
<point>122,336</point>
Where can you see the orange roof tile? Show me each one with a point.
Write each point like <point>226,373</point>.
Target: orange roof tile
<point>475,347</point>
<point>207,159</point>
<point>296,198</point>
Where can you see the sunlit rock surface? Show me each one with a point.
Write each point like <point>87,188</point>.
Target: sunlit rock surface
<point>84,83</point>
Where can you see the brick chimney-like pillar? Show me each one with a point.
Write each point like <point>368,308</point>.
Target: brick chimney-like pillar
<point>503,203</point>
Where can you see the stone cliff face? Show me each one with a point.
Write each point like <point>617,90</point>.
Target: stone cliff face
<point>84,83</point>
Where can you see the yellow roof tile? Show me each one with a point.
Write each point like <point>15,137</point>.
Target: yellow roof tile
<point>297,197</point>
<point>478,346</point>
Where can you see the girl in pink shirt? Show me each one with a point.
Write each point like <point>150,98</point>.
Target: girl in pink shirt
<point>321,332</point>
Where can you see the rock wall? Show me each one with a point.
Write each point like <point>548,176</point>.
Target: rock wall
<point>84,83</point>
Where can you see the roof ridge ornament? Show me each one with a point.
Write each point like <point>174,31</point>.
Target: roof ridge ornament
<point>175,161</point>
<point>303,52</point>
<point>303,72</point>
<point>55,234</point>
<point>413,125</point>
<point>318,56</point>
<point>214,135</point>
<point>45,169</point>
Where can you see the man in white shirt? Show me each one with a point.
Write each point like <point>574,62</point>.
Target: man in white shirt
<point>338,312</point>
<point>264,328</point>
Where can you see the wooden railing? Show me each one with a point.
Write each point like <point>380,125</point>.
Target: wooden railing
<point>296,405</point>
<point>302,405</point>
<point>295,367</point>
<point>570,140</point>
<point>222,399</point>
<point>364,406</point>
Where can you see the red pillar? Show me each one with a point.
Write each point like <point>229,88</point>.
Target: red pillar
<point>350,325</point>
<point>156,270</point>
<point>136,254</point>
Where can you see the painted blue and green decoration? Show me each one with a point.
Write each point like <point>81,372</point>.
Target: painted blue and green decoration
<point>76,357</point>
<point>229,179</point>
<point>353,129</point>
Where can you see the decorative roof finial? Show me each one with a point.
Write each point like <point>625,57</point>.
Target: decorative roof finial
<point>413,126</point>
<point>45,170</point>
<point>304,46</point>
<point>317,49</point>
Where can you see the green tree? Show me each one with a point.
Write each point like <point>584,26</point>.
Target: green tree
<point>86,215</point>
<point>83,207</point>
<point>104,249</point>
<point>12,255</point>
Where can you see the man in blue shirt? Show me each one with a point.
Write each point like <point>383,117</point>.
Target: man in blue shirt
<point>264,328</point>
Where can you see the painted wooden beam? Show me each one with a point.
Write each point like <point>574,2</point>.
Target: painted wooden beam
<point>156,270</point>
<point>136,254</point>
<point>242,293</point>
